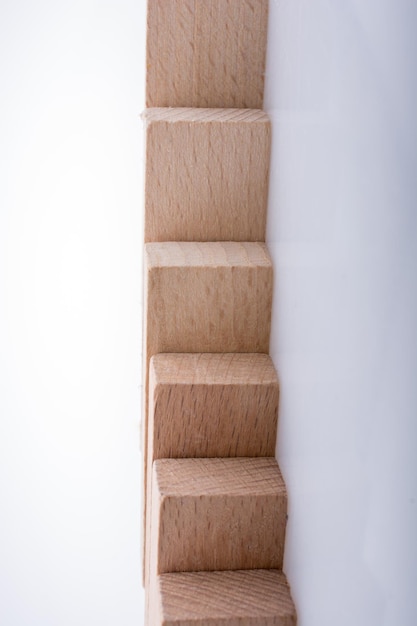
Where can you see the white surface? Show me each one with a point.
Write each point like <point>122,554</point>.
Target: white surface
<point>342,230</point>
<point>70,231</point>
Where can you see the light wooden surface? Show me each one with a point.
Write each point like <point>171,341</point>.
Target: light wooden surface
<point>206,53</point>
<point>216,405</point>
<point>235,598</point>
<point>210,405</point>
<point>213,392</point>
<point>217,514</point>
<point>205,297</point>
<point>206,174</point>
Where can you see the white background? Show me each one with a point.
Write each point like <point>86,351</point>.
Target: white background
<point>341,91</point>
<point>342,230</point>
<point>71,78</point>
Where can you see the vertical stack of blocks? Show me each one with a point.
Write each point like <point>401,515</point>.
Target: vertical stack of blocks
<point>215,501</point>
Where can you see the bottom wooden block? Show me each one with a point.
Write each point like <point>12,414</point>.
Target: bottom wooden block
<point>232,598</point>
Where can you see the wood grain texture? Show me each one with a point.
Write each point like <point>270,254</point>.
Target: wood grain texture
<point>210,405</point>
<point>217,514</point>
<point>205,297</point>
<point>206,53</point>
<point>216,405</point>
<point>233,598</point>
<point>206,174</point>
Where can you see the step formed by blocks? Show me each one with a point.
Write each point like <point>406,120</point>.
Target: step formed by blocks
<point>205,297</point>
<point>206,53</point>
<point>232,598</point>
<point>206,174</point>
<point>217,514</point>
<point>216,503</point>
<point>210,405</point>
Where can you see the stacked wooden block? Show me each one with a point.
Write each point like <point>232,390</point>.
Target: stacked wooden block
<point>215,501</point>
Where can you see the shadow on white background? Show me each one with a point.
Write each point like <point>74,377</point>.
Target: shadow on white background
<point>342,231</point>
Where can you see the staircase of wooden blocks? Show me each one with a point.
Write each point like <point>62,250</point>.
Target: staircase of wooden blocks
<point>214,498</point>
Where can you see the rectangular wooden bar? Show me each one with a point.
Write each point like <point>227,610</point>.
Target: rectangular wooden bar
<point>216,405</point>
<point>206,174</point>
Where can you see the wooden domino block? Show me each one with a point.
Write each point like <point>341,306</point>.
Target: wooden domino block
<point>206,174</point>
<point>206,53</point>
<point>217,514</point>
<point>216,405</point>
<point>231,598</point>
<point>207,297</point>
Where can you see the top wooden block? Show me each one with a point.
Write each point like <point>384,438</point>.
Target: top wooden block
<point>206,53</point>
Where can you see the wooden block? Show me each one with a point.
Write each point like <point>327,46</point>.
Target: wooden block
<point>206,53</point>
<point>207,297</point>
<point>210,405</point>
<point>232,598</point>
<point>217,514</point>
<point>216,405</point>
<point>206,174</point>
